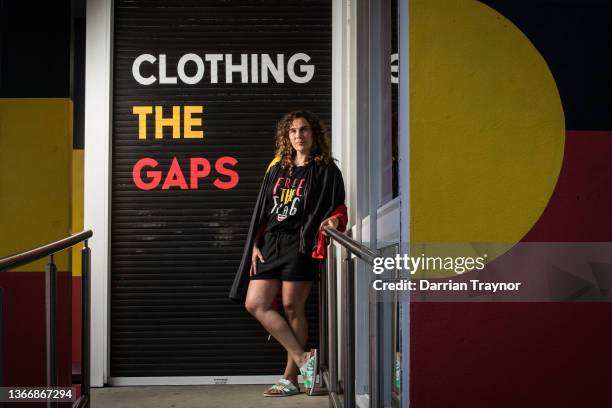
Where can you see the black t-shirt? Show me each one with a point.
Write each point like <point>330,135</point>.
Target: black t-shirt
<point>287,200</point>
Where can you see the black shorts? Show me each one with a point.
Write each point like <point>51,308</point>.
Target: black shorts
<point>283,261</point>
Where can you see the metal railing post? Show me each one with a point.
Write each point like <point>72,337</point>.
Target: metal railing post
<point>374,357</point>
<point>332,328</point>
<point>342,333</point>
<point>348,329</point>
<point>51,319</point>
<point>323,353</point>
<point>85,321</point>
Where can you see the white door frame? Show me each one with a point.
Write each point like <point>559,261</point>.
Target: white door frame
<point>98,88</point>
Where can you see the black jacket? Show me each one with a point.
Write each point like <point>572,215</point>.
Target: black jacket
<point>323,193</point>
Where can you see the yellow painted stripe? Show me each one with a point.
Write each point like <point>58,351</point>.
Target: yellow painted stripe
<point>77,205</point>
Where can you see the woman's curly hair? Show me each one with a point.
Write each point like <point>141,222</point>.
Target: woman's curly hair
<point>320,152</point>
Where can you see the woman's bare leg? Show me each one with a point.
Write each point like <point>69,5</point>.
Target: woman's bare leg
<point>294,296</point>
<point>259,303</point>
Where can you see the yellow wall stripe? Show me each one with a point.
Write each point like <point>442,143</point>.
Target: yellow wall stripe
<point>35,181</point>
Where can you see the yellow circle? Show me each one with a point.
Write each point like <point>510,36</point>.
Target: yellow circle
<point>486,125</point>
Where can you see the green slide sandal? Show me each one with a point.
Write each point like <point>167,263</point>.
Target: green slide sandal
<point>282,388</point>
<point>309,371</point>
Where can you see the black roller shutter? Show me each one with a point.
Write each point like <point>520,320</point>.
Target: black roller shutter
<point>174,252</point>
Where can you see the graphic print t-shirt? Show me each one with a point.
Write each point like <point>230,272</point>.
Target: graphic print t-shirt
<point>287,200</point>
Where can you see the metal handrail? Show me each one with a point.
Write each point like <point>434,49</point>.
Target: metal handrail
<point>51,307</point>
<point>341,390</point>
<point>23,258</point>
<point>359,250</point>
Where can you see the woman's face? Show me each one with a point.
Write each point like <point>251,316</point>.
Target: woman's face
<point>300,136</point>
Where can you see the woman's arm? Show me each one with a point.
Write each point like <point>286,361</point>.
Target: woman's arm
<point>337,219</point>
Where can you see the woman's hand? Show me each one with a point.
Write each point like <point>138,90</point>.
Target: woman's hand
<point>254,258</point>
<point>331,221</point>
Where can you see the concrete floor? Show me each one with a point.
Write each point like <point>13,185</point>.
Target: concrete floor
<point>198,396</point>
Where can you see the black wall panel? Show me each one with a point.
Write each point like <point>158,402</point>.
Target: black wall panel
<point>34,49</point>
<point>174,252</point>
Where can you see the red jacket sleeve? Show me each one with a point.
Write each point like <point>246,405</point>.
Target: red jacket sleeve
<point>340,213</point>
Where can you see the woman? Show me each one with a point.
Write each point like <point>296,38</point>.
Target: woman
<point>301,192</point>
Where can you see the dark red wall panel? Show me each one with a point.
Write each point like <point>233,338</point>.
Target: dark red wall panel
<point>510,355</point>
<point>24,330</point>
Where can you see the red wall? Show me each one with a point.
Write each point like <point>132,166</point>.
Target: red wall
<point>24,330</point>
<point>510,355</point>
